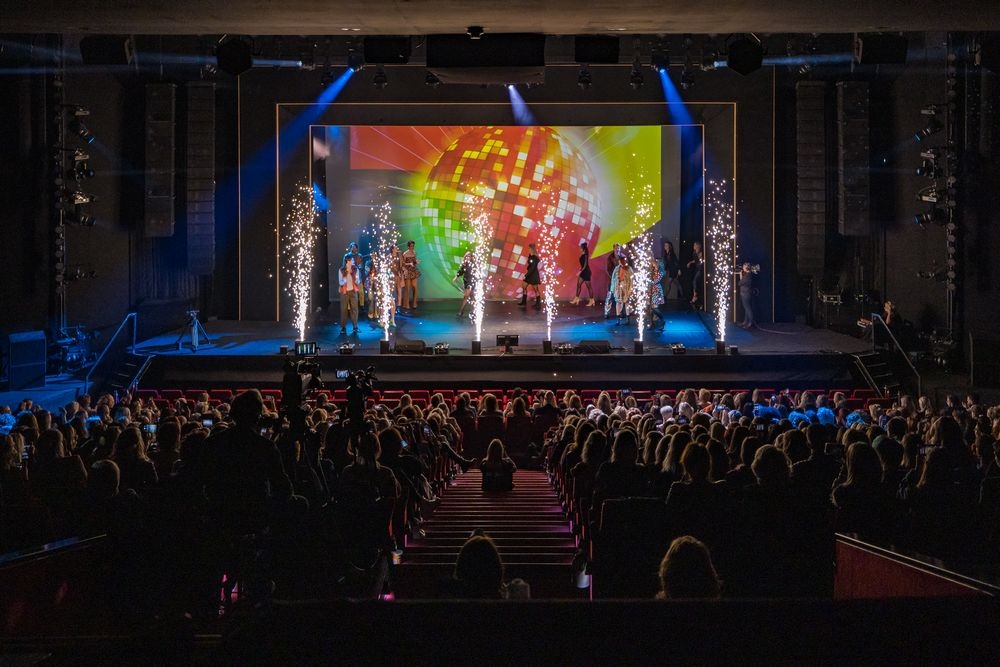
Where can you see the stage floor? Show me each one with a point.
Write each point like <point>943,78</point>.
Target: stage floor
<point>436,322</point>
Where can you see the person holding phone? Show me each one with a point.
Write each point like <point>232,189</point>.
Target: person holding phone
<point>348,294</point>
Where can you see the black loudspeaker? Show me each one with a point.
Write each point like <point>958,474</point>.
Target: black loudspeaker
<point>159,192</point>
<point>107,50</point>
<point>596,50</point>
<point>387,50</point>
<point>495,58</point>
<point>410,346</point>
<point>984,357</point>
<point>594,346</point>
<point>810,143</point>
<point>989,53</point>
<point>26,352</point>
<point>853,149</point>
<point>745,56</point>
<point>879,49</point>
<point>234,57</point>
<point>200,176</point>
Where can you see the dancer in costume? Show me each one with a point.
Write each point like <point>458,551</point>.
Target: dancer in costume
<point>465,272</point>
<point>532,278</point>
<point>583,278</point>
<point>410,273</point>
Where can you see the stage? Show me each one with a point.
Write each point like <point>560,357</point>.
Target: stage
<point>244,353</point>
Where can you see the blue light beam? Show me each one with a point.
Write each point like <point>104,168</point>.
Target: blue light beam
<point>679,113</point>
<point>522,114</point>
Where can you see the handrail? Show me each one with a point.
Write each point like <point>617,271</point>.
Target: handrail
<point>878,318</point>
<point>135,325</point>
<point>864,371</point>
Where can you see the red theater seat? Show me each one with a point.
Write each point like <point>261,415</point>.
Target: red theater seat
<point>171,394</point>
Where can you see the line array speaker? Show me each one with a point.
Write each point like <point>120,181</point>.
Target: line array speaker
<point>160,173</point>
<point>811,155</point>
<point>853,187</point>
<point>200,177</point>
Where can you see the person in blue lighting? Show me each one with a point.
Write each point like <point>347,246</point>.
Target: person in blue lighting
<point>697,267</point>
<point>670,269</point>
<point>468,280</point>
<point>532,278</point>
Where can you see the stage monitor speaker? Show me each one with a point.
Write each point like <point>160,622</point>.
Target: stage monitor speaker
<point>26,356</point>
<point>880,49</point>
<point>387,50</point>
<point>410,346</point>
<point>596,49</point>
<point>493,59</point>
<point>594,346</point>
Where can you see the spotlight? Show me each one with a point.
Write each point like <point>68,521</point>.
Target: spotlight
<point>475,31</point>
<point>431,80</point>
<point>355,61</point>
<point>77,110</point>
<point>81,130</point>
<point>660,60</point>
<point>380,80</point>
<point>687,79</point>
<point>79,218</point>
<point>83,198</point>
<point>928,168</point>
<point>583,79</point>
<point>930,110</point>
<point>929,194</point>
<point>635,75</point>
<point>745,55</point>
<point>82,170</point>
<point>933,127</point>
<point>934,216</point>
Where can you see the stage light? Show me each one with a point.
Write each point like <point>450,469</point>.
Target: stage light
<point>928,168</point>
<point>635,75</point>
<point>933,127</point>
<point>80,197</point>
<point>660,60</point>
<point>930,110</point>
<point>234,56</point>
<point>79,218</point>
<point>380,80</point>
<point>583,79</point>
<point>431,80</point>
<point>934,216</point>
<point>687,78</point>
<point>81,130</point>
<point>475,31</point>
<point>355,61</point>
<point>82,170</point>
<point>745,55</point>
<point>930,194</point>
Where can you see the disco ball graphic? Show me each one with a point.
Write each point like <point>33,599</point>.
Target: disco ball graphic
<point>529,182</point>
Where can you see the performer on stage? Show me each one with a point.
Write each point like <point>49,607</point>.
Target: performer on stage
<point>396,266</point>
<point>670,266</point>
<point>697,267</point>
<point>410,273</point>
<point>532,278</point>
<point>746,297</point>
<point>359,269</point>
<point>583,278</point>
<point>621,285</point>
<point>612,263</point>
<point>465,272</point>
<point>348,294</point>
<point>654,318</point>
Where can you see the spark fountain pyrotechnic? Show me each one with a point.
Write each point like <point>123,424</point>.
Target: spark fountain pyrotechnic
<point>386,238</point>
<point>481,234</point>
<point>300,240</point>
<point>642,255</point>
<point>640,251</point>
<point>721,238</point>
<point>548,271</point>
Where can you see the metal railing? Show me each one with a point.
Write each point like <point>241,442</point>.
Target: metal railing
<point>114,342</point>
<point>897,348</point>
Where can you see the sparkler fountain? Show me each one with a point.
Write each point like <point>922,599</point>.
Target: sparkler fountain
<point>721,240</point>
<point>548,270</point>
<point>386,238</point>
<point>298,249</point>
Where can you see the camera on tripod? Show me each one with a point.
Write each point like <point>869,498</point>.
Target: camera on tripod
<point>363,380</point>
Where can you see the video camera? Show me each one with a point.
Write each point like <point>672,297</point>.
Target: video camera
<point>363,380</point>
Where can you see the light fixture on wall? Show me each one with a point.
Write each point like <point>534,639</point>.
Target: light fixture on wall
<point>431,79</point>
<point>380,80</point>
<point>583,78</point>
<point>635,74</point>
<point>933,127</point>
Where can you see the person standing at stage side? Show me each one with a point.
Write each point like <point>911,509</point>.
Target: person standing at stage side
<point>348,294</point>
<point>468,280</point>
<point>697,267</point>
<point>746,297</point>
<point>612,263</point>
<point>359,270</point>
<point>532,278</point>
<point>410,273</point>
<point>396,266</point>
<point>655,319</point>
<point>670,266</point>
<point>583,278</point>
<point>621,285</point>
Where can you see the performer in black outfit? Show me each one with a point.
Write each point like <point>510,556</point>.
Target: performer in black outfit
<point>584,276</point>
<point>697,266</point>
<point>746,297</point>
<point>532,278</point>
<point>671,271</point>
<point>468,280</point>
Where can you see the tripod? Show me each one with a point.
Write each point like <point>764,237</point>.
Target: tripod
<point>194,330</point>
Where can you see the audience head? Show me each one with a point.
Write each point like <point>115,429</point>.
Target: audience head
<point>686,571</point>
<point>103,480</point>
<point>478,568</point>
<point>696,462</point>
<point>247,408</point>
<point>496,452</point>
<point>770,467</point>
